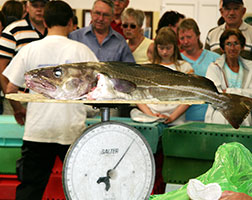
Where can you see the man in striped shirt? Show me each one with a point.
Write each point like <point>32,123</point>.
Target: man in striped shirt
<point>20,33</point>
<point>232,11</point>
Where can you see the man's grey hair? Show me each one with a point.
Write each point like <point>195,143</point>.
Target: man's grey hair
<point>110,3</point>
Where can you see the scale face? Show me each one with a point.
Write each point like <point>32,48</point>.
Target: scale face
<point>110,161</point>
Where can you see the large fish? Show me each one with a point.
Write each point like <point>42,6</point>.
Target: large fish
<point>118,80</point>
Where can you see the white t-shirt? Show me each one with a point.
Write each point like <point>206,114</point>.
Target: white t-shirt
<point>168,109</point>
<point>50,122</point>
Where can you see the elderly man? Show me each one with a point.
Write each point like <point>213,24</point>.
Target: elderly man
<point>119,6</point>
<point>232,11</point>
<point>106,43</point>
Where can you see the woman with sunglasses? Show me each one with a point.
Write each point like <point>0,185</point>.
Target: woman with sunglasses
<point>132,22</point>
<point>230,73</point>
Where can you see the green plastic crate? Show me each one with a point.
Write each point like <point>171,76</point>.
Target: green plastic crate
<point>189,149</point>
<point>7,119</point>
<point>11,135</point>
<point>150,131</point>
<point>201,140</point>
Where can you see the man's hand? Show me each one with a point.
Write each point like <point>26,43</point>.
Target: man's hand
<point>230,195</point>
<point>20,115</point>
<point>19,110</point>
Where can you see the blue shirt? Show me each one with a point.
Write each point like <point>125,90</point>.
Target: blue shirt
<point>201,64</point>
<point>113,48</point>
<point>197,112</point>
<point>234,79</point>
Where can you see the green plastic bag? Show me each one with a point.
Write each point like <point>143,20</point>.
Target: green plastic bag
<point>232,170</point>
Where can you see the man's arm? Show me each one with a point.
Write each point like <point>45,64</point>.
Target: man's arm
<point>7,87</point>
<point>19,110</point>
<point>3,80</point>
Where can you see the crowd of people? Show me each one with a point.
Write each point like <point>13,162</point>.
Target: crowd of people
<point>36,33</point>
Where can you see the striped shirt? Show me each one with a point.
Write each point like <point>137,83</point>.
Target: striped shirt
<point>16,35</point>
<point>213,40</point>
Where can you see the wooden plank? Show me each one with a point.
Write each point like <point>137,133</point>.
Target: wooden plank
<point>26,97</point>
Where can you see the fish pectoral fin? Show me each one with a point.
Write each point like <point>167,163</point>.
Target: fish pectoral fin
<point>122,85</point>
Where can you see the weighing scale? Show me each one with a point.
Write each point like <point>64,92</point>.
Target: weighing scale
<point>109,161</point>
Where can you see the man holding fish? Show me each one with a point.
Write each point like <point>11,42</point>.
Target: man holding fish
<point>49,128</point>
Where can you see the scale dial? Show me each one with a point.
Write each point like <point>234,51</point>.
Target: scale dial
<point>110,161</point>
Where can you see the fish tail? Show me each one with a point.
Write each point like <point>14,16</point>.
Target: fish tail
<point>236,108</point>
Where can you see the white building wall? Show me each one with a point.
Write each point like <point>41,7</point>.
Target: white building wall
<point>146,5</point>
<point>156,7</point>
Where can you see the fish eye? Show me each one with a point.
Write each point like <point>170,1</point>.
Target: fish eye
<point>57,72</point>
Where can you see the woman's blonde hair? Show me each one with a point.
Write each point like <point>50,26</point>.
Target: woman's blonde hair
<point>166,36</point>
<point>138,15</point>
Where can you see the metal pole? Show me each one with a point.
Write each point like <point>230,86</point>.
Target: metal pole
<point>105,114</point>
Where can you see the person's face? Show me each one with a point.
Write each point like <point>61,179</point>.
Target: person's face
<point>130,28</point>
<point>188,40</point>
<point>232,47</point>
<point>119,6</point>
<point>233,13</point>
<point>101,15</point>
<point>36,11</point>
<point>165,52</point>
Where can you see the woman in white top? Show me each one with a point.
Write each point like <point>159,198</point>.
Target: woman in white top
<point>132,22</point>
<point>230,73</point>
<point>166,53</point>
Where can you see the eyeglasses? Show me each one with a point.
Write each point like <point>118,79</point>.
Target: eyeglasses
<point>229,44</point>
<point>98,14</point>
<point>132,26</point>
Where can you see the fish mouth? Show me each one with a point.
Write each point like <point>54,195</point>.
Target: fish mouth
<point>37,83</point>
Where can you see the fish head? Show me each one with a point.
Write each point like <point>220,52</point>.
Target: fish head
<point>62,82</point>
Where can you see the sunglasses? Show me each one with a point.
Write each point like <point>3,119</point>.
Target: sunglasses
<point>132,26</point>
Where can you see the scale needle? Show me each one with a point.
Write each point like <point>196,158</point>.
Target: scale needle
<point>124,154</point>
<point>105,179</point>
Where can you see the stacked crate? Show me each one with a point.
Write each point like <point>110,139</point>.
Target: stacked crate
<point>189,149</point>
<point>10,150</point>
